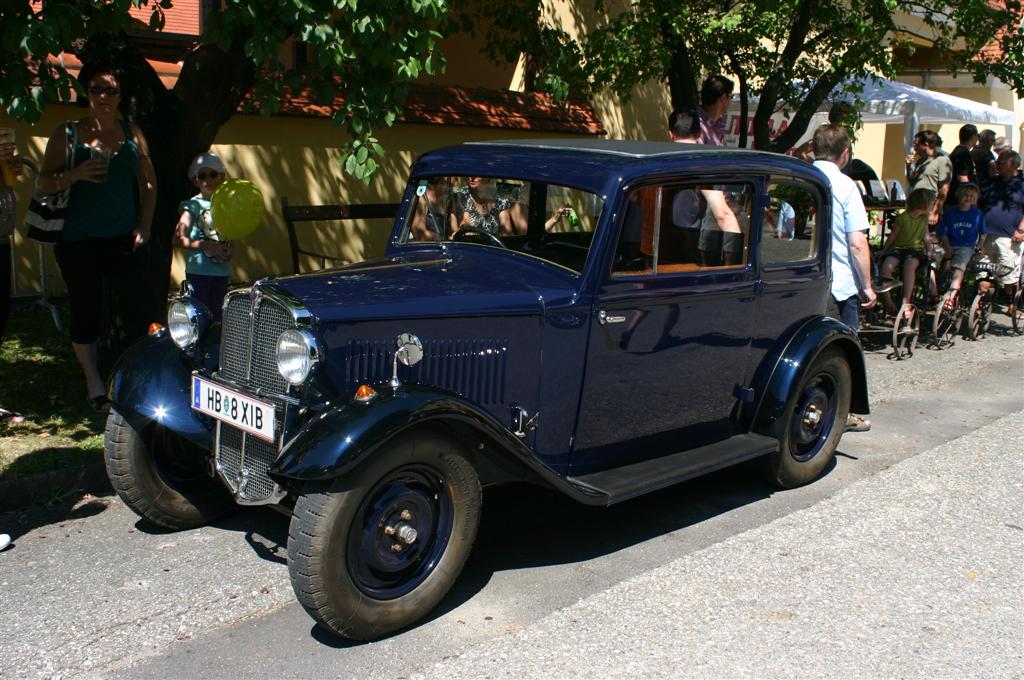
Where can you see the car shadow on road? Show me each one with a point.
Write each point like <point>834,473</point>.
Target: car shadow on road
<point>525,526</point>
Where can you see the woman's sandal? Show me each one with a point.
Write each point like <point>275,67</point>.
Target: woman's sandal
<point>100,403</point>
<point>950,301</point>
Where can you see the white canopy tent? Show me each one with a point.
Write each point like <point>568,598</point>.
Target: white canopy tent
<point>890,102</point>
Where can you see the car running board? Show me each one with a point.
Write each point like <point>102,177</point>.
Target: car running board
<point>622,483</point>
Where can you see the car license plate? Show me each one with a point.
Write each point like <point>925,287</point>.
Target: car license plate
<point>227,405</point>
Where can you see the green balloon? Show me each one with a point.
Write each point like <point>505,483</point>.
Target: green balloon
<point>236,208</point>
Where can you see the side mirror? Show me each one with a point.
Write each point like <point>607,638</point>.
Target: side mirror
<point>409,352</point>
<point>410,349</point>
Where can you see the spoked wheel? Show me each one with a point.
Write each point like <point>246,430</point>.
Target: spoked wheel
<point>944,325</point>
<point>1016,310</point>
<point>814,419</point>
<point>377,549</point>
<point>905,331</point>
<point>977,317</point>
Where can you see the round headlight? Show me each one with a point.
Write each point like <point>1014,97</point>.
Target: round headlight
<point>296,355</point>
<point>183,323</point>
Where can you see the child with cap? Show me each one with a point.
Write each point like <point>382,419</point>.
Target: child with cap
<point>962,231</point>
<point>207,264</point>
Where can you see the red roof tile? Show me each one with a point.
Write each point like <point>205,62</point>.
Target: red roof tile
<point>474,107</point>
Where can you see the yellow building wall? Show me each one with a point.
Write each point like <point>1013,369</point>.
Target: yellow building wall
<point>286,157</point>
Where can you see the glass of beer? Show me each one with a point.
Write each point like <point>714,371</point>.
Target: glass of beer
<point>7,152</point>
<point>100,152</point>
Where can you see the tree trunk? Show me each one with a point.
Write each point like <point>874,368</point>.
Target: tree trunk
<point>178,124</point>
<point>682,79</point>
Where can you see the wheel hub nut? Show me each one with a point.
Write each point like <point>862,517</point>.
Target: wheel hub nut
<point>406,515</point>
<point>406,533</point>
<point>812,416</point>
<point>396,547</point>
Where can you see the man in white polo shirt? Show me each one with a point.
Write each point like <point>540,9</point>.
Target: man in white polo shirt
<point>851,256</point>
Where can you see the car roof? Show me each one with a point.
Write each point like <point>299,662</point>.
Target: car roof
<point>590,163</point>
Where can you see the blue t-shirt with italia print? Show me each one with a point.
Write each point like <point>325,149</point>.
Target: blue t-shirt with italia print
<point>962,227</point>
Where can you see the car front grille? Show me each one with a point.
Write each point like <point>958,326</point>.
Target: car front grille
<point>243,461</point>
<point>248,344</point>
<point>247,358</point>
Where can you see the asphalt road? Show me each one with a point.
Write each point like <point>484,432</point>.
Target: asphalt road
<point>89,591</point>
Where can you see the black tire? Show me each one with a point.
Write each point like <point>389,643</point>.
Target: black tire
<point>340,557</point>
<point>944,325</point>
<point>161,476</point>
<point>807,446</point>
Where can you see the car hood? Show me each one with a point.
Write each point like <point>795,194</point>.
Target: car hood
<point>470,280</point>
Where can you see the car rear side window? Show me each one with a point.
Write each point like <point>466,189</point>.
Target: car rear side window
<point>684,227</point>
<point>789,230</point>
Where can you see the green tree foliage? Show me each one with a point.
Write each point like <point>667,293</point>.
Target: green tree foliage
<point>792,54</point>
<point>364,52</point>
<point>362,55</point>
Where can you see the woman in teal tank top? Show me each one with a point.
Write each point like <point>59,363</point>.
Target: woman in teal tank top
<point>103,226</point>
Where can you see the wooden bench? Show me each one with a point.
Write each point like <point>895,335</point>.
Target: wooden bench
<point>294,214</point>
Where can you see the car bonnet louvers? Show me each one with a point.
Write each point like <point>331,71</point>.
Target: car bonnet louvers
<point>476,368</point>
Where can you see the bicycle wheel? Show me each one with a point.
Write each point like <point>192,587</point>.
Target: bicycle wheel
<point>905,331</point>
<point>977,317</point>
<point>1016,311</point>
<point>944,325</point>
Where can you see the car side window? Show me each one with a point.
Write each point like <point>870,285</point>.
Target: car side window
<point>684,227</point>
<point>789,230</point>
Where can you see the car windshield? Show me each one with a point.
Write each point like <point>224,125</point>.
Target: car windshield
<point>552,222</point>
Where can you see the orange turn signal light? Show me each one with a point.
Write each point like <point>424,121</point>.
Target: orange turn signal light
<point>155,328</point>
<point>365,393</point>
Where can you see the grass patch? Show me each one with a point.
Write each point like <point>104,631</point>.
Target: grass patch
<point>40,378</point>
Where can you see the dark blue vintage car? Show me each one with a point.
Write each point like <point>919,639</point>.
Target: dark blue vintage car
<point>604,318</point>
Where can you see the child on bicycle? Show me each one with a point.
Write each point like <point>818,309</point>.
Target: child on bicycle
<point>908,244</point>
<point>962,231</point>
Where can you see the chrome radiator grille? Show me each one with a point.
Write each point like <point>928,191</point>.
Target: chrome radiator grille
<point>246,474</point>
<point>247,357</point>
<point>248,345</point>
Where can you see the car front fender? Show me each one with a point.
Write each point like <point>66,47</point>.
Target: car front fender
<point>339,439</point>
<point>151,383</point>
<point>783,368</point>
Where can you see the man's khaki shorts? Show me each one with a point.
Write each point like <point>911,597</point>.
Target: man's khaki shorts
<point>1005,252</point>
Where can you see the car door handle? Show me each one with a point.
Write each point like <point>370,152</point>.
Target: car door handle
<point>604,318</point>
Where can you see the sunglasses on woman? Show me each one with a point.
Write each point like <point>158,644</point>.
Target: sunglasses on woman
<point>203,176</point>
<point>109,91</point>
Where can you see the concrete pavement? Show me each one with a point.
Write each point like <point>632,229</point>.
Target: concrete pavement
<point>94,594</point>
<point>915,572</point>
